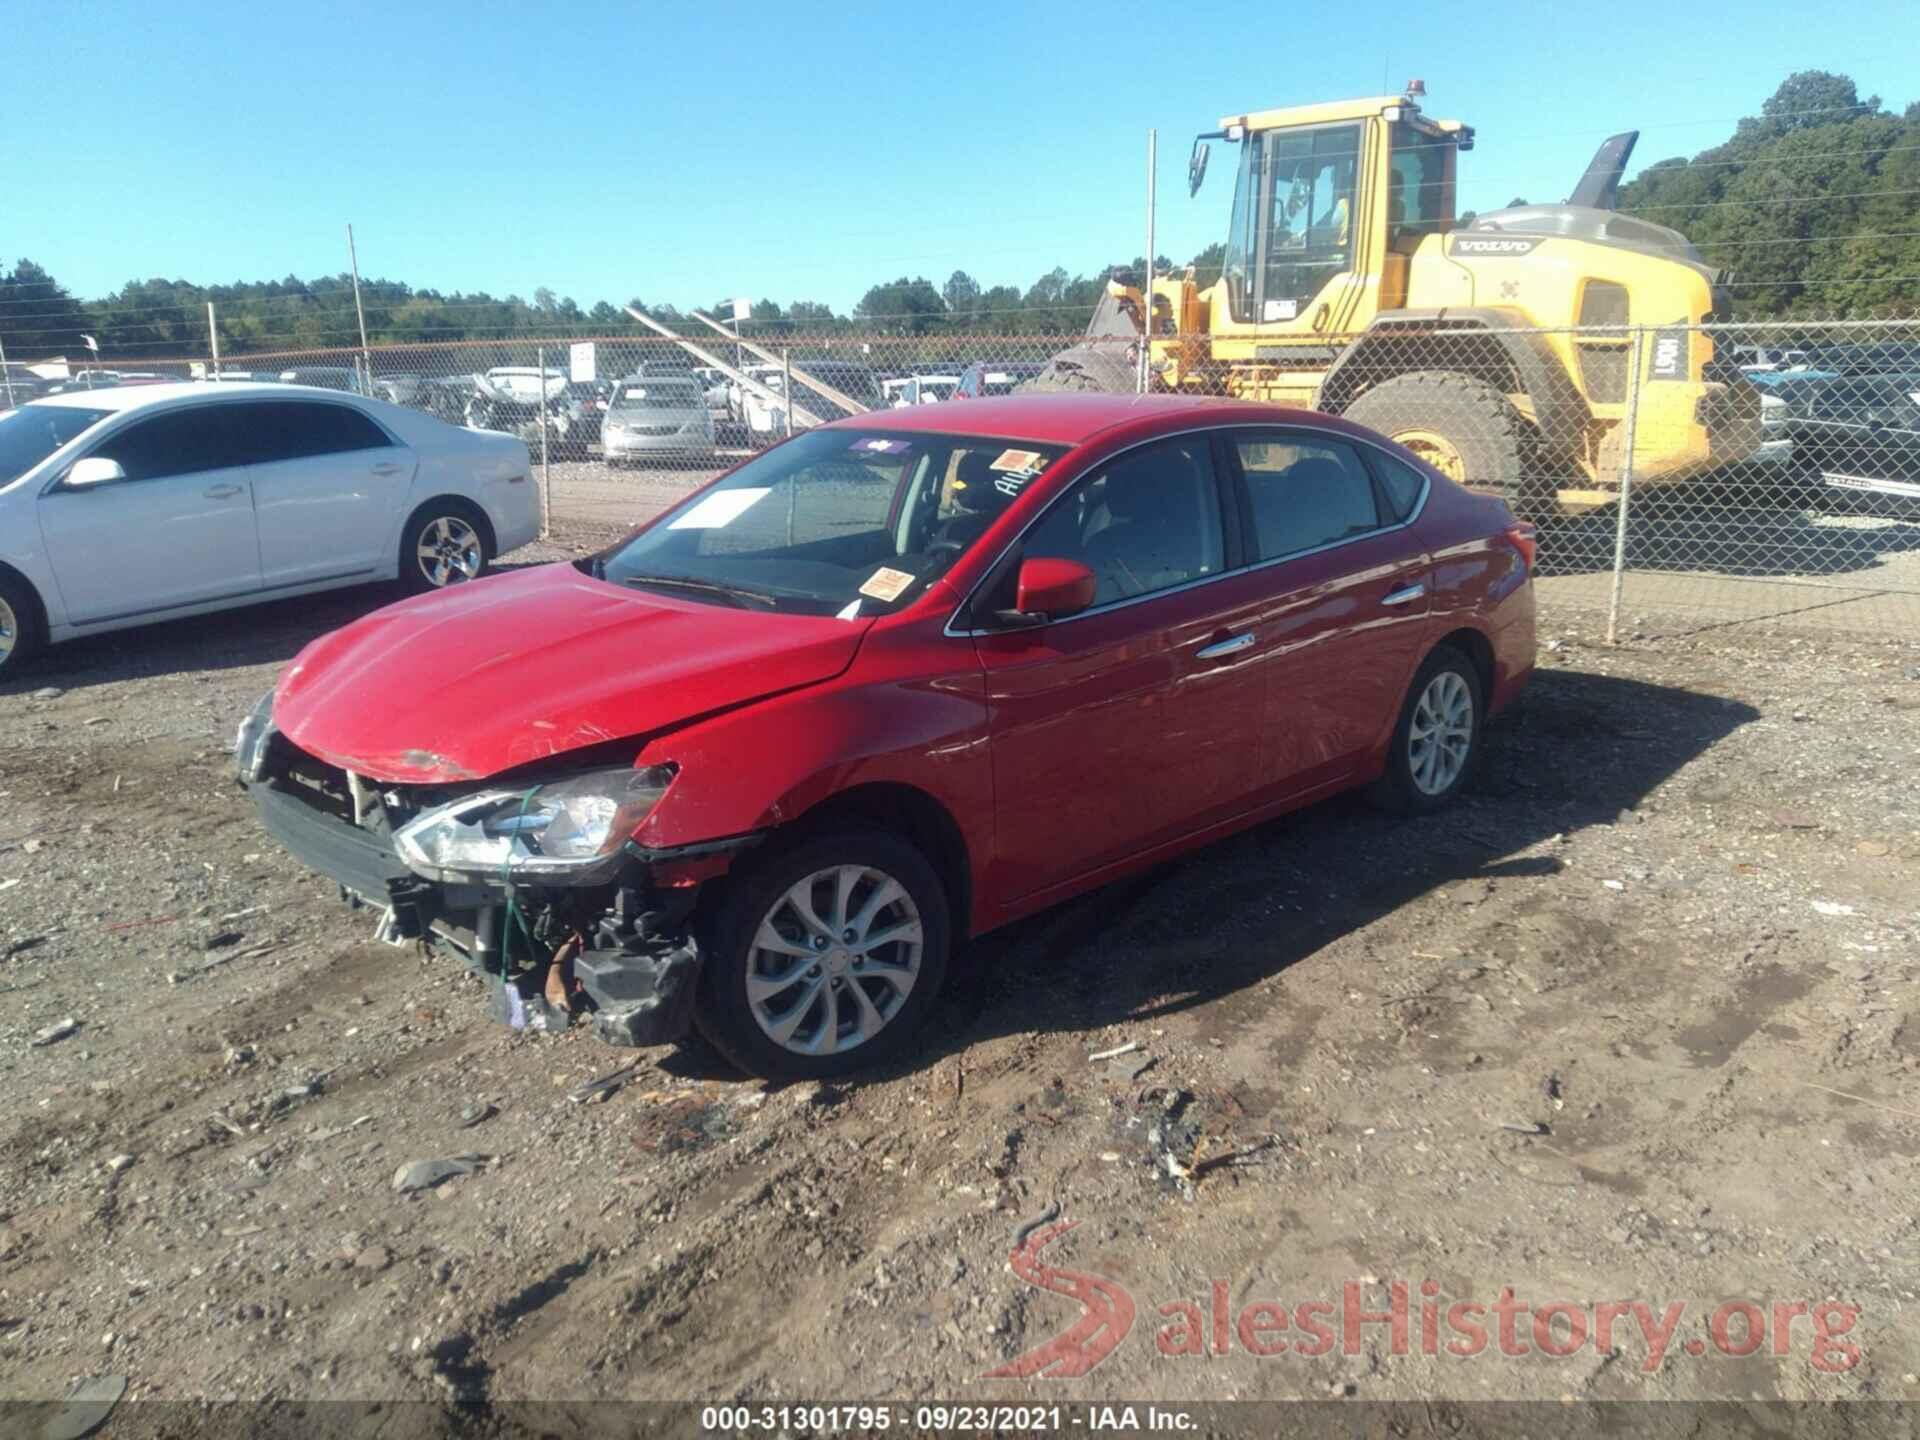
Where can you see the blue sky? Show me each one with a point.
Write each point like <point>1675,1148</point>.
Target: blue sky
<point>684,152</point>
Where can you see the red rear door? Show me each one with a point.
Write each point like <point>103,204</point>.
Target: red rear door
<point>1348,603</point>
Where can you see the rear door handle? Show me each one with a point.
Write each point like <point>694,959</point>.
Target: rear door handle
<point>222,492</point>
<point>388,467</point>
<point>1232,645</point>
<point>1405,594</point>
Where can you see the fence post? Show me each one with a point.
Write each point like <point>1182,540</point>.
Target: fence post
<point>786,391</point>
<point>213,339</point>
<point>1143,377</point>
<point>546,471</point>
<point>6,375</point>
<point>1626,483</point>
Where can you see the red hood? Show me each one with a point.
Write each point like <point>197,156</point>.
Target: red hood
<point>470,681</point>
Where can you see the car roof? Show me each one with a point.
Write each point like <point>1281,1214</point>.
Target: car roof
<point>1074,418</point>
<point>134,396</point>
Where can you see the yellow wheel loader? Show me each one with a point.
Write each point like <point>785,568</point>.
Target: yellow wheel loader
<point>1499,349</point>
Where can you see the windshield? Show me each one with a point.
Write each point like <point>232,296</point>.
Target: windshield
<point>33,432</point>
<point>659,395</point>
<point>834,522</point>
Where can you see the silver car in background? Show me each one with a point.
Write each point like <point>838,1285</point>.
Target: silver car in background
<point>654,415</point>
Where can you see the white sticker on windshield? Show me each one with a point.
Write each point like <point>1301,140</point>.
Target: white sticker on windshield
<point>720,509</point>
<point>886,583</point>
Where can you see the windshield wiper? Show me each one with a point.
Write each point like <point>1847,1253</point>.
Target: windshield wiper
<point>706,587</point>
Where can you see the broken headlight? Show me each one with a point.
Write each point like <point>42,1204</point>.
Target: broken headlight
<point>250,744</point>
<point>566,833</point>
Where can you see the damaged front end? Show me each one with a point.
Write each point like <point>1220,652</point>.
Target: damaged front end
<point>532,878</point>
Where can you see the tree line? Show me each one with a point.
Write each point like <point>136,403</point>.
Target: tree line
<point>1813,205</point>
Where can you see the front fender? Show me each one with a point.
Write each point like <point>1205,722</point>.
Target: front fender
<point>911,711</point>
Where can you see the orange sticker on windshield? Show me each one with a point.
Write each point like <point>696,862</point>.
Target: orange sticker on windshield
<point>886,584</point>
<point>1018,460</point>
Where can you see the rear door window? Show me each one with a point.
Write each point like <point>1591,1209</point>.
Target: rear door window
<point>279,430</point>
<point>1305,492</point>
<point>1403,484</point>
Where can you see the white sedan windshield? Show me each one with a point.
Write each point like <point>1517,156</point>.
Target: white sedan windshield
<point>33,432</point>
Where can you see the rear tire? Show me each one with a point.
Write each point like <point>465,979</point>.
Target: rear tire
<point>21,634</point>
<point>1463,426</point>
<point>752,939</point>
<point>1432,758</point>
<point>445,542</point>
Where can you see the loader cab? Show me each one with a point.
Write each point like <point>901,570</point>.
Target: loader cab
<point>1329,203</point>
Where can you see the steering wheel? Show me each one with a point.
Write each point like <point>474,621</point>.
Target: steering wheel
<point>940,547</point>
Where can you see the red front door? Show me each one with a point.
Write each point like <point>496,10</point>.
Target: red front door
<point>1133,722</point>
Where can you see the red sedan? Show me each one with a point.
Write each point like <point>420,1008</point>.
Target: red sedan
<point>895,682</point>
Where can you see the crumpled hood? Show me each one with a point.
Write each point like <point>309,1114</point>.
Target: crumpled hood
<point>476,679</point>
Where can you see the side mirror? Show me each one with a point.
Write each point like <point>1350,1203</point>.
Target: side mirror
<point>1052,589</point>
<point>94,470</point>
<point>1197,168</point>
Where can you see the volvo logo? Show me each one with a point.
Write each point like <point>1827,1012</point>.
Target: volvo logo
<point>1492,245</point>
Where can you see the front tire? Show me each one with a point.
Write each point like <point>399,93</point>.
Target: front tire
<point>1436,742</point>
<point>21,634</point>
<point>1462,426</point>
<point>825,956</point>
<point>444,543</point>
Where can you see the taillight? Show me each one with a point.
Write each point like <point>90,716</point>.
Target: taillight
<point>1524,538</point>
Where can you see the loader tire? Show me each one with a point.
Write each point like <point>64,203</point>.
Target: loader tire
<point>1464,427</point>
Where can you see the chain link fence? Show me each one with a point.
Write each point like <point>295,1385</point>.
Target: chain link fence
<point>1679,476</point>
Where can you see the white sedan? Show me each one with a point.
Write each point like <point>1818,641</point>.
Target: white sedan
<point>121,507</point>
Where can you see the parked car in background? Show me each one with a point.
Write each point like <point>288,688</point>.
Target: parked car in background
<point>1767,359</point>
<point>904,390</point>
<point>133,504</point>
<point>1855,444</point>
<point>767,419</point>
<point>513,400</point>
<point>87,380</point>
<point>762,766</point>
<point>657,418</point>
<point>590,399</point>
<point>323,377</point>
<point>715,385</point>
<point>771,376</point>
<point>400,389</point>
<point>986,378</point>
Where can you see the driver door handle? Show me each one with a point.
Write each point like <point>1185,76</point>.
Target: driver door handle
<point>222,492</point>
<point>1405,594</point>
<point>388,467</point>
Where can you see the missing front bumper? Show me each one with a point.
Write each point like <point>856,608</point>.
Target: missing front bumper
<point>638,968</point>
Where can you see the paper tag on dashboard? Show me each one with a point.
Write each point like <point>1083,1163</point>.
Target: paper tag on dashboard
<point>886,584</point>
<point>1018,460</point>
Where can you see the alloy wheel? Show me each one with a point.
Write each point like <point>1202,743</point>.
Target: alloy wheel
<point>449,551</point>
<point>9,631</point>
<point>1441,735</point>
<point>834,959</point>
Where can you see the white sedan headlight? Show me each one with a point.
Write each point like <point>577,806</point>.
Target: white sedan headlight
<point>565,833</point>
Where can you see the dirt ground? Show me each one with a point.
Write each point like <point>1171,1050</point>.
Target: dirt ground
<point>1637,1022</point>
